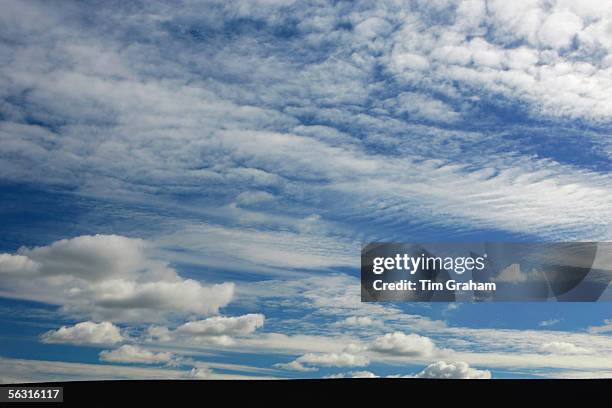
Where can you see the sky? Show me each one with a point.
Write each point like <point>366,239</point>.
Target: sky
<point>185,187</point>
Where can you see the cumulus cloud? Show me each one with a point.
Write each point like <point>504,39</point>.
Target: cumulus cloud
<point>85,333</point>
<point>17,265</point>
<point>309,361</point>
<point>360,321</point>
<point>134,354</point>
<point>107,277</point>
<point>399,343</point>
<point>457,370</point>
<point>215,331</point>
<point>221,325</point>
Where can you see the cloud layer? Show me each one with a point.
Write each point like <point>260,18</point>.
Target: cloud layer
<point>373,120</point>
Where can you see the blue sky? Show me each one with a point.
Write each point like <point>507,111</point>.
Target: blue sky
<point>185,187</point>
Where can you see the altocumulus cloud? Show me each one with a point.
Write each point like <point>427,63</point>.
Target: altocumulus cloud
<point>107,277</point>
<point>377,110</point>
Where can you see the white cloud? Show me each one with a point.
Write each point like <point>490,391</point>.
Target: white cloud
<point>353,374</point>
<point>398,343</point>
<point>344,359</point>
<point>221,325</point>
<point>108,277</point>
<point>559,29</point>
<point>160,333</point>
<point>17,264</point>
<point>422,107</point>
<point>360,321</point>
<point>458,370</point>
<point>85,333</point>
<point>220,331</point>
<point>563,347</point>
<point>295,366</point>
<point>134,354</point>
<point>201,373</point>
<point>334,360</point>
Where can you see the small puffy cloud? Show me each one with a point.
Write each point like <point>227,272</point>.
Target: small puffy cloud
<point>343,359</point>
<point>458,370</point>
<point>221,325</point>
<point>216,331</point>
<point>134,354</point>
<point>423,107</point>
<point>201,373</point>
<point>84,333</point>
<point>107,277</point>
<point>562,347</point>
<point>359,321</point>
<point>399,343</point>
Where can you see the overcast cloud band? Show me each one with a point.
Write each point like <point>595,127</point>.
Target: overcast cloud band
<point>448,272</point>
